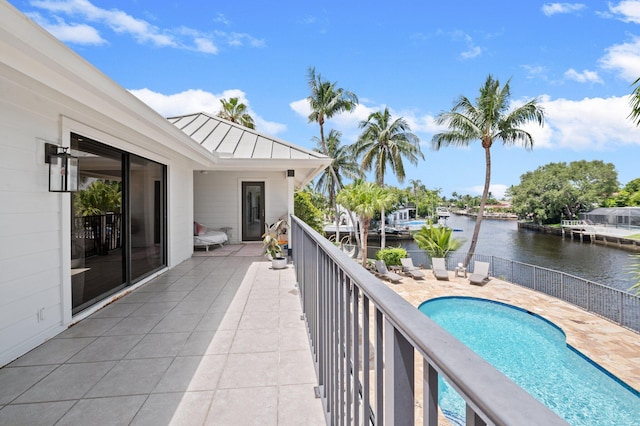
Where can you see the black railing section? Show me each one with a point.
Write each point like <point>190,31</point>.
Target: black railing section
<point>378,358</point>
<point>618,306</point>
<point>96,235</point>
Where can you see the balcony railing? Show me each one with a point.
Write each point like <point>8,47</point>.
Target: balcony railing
<point>365,339</point>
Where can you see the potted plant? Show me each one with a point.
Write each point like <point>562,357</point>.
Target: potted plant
<point>272,247</point>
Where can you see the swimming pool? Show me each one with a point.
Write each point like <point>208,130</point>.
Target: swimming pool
<point>416,225</point>
<point>533,352</point>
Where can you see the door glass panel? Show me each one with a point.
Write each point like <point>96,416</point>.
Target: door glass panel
<point>252,211</point>
<point>119,226</point>
<point>97,255</point>
<point>146,186</point>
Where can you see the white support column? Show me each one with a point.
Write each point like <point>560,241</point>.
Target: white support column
<point>290,190</point>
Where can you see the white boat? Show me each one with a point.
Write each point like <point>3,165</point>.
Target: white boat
<point>442,212</point>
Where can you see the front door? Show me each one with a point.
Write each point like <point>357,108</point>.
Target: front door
<point>252,211</point>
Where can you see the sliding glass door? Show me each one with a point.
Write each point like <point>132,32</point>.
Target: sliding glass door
<point>118,227</point>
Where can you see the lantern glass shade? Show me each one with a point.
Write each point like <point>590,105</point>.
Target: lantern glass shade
<point>63,172</point>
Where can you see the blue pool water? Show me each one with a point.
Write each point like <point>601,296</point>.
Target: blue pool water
<point>533,352</point>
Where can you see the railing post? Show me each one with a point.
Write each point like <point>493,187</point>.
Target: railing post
<point>379,327</point>
<point>429,394</point>
<point>366,354</point>
<point>472,419</point>
<point>398,378</point>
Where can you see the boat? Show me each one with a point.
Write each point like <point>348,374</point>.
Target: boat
<point>442,212</point>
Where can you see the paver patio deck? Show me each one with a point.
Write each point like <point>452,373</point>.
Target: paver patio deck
<point>216,340</point>
<point>614,347</point>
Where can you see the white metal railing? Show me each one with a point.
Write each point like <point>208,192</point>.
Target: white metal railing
<point>365,337</point>
<point>573,223</point>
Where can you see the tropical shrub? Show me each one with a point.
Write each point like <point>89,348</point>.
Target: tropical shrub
<point>436,240</point>
<point>306,211</point>
<point>391,255</point>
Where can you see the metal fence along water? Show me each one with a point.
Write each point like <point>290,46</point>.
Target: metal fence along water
<point>616,305</point>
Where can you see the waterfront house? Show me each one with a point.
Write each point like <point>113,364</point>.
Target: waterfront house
<point>56,269</point>
<point>61,259</point>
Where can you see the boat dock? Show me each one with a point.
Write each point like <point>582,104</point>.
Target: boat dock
<point>585,232</point>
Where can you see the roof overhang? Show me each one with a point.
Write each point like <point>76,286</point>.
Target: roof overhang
<point>239,148</point>
<point>40,61</point>
<point>305,170</point>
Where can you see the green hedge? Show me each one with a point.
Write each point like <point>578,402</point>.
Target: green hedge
<point>392,255</point>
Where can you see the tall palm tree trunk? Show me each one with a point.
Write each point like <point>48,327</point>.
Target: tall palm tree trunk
<point>323,142</point>
<point>383,234</point>
<point>364,224</point>
<point>353,219</point>
<point>483,202</point>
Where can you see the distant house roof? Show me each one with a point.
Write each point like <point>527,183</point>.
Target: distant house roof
<point>233,140</point>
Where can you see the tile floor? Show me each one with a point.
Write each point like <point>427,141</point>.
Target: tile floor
<point>217,340</point>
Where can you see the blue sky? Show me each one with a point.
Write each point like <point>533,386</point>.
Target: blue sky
<point>416,57</point>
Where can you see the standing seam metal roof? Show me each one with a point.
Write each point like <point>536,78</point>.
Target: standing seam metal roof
<point>224,137</point>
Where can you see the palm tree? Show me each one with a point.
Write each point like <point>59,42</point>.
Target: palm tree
<point>487,121</point>
<point>384,142</point>
<point>343,164</point>
<point>327,100</point>
<point>236,112</point>
<point>634,101</point>
<point>436,241</point>
<point>365,199</point>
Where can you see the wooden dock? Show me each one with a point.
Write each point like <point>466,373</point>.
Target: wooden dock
<point>580,231</point>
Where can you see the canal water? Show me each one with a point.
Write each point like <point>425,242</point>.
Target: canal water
<point>502,238</point>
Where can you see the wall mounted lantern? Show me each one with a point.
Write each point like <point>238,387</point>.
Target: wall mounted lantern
<point>63,169</point>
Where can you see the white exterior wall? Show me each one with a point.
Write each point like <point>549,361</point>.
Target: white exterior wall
<point>35,283</point>
<point>48,92</point>
<point>217,200</point>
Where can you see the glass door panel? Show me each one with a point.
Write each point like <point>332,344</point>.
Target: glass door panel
<point>252,211</point>
<point>146,194</point>
<point>97,255</point>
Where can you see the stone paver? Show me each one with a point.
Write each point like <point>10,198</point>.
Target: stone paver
<point>615,348</point>
<point>216,340</point>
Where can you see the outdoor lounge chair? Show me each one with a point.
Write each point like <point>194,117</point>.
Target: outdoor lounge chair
<point>480,273</point>
<point>409,269</point>
<point>383,272</point>
<point>206,237</point>
<point>439,268</point>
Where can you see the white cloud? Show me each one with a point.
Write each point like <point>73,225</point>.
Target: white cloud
<point>497,190</point>
<point>222,19</point>
<point>472,50</point>
<point>141,30</point>
<point>204,45</point>
<point>582,125</point>
<point>471,53</point>
<point>585,76</point>
<point>196,100</point>
<point>346,121</point>
<point>117,20</point>
<point>556,8</point>
<point>587,124</point>
<point>624,59</point>
<point>627,10</point>
<point>72,33</point>
<point>536,71</point>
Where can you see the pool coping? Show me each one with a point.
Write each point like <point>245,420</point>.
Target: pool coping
<point>614,348</point>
